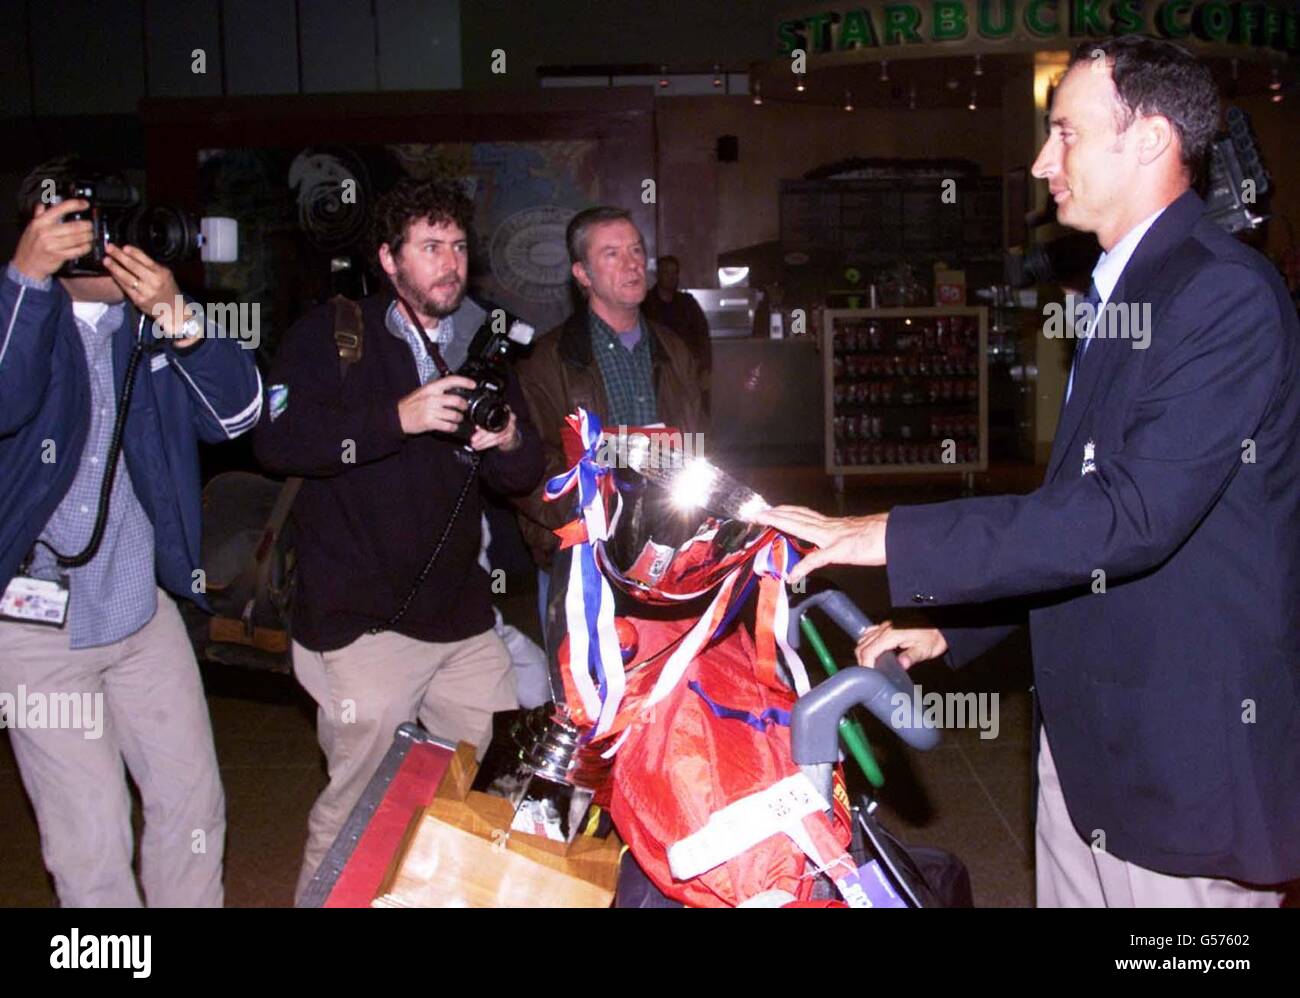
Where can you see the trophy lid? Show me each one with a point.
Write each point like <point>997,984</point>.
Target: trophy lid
<point>680,524</point>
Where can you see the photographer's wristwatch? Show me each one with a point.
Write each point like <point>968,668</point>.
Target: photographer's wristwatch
<point>190,328</point>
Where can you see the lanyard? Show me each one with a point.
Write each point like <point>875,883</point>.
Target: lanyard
<point>434,353</point>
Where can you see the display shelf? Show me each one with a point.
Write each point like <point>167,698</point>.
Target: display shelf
<point>906,390</point>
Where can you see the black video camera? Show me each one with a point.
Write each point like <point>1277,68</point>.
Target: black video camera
<point>167,234</point>
<point>485,365</point>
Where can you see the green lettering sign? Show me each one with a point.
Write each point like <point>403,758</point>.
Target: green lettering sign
<point>901,23</point>
<point>1085,18</point>
<point>788,37</point>
<point>1272,27</point>
<point>857,31</point>
<point>1007,23</point>
<point>949,20</point>
<point>1249,20</point>
<point>1035,21</point>
<point>1212,21</point>
<point>1253,24</point>
<point>1171,18</point>
<point>1128,17</point>
<point>818,35</point>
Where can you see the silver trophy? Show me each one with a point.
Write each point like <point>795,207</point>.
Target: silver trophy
<point>538,759</point>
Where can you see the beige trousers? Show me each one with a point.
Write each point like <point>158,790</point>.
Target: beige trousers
<point>138,700</point>
<point>365,690</point>
<point>1072,874</point>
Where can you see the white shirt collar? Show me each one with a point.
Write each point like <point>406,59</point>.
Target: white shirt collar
<point>89,312</point>
<point>1110,266</point>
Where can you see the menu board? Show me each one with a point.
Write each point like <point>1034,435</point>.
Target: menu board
<point>882,221</point>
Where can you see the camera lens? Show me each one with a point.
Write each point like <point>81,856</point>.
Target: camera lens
<point>490,412</point>
<point>169,235</point>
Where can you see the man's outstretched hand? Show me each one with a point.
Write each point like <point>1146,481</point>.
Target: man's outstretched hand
<point>848,540</point>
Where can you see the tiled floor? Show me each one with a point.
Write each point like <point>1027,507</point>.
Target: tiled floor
<point>970,795</point>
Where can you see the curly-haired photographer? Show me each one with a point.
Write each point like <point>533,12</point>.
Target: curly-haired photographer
<point>393,615</point>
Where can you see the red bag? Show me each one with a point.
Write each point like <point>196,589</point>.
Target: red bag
<point>716,739</point>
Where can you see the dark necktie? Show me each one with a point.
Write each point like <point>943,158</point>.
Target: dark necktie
<point>1093,298</point>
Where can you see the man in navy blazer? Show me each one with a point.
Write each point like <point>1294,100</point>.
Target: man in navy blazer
<point>1159,563</point>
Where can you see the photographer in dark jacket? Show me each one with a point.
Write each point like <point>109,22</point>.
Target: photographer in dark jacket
<point>383,480</point>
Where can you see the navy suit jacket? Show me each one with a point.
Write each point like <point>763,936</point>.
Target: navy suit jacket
<point>1171,699</point>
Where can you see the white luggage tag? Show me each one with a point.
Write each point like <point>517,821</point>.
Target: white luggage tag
<point>35,601</point>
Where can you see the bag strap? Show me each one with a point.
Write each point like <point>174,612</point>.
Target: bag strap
<point>259,566</point>
<point>348,329</point>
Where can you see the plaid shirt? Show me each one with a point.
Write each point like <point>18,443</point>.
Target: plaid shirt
<point>116,594</point>
<point>400,326</point>
<point>628,374</point>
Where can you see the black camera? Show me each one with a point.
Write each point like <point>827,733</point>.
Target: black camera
<point>485,365</point>
<point>167,234</point>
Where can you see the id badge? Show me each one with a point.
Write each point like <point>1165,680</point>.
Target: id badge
<point>35,601</point>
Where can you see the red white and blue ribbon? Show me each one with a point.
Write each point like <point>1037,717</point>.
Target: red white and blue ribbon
<point>595,662</point>
<point>772,564</point>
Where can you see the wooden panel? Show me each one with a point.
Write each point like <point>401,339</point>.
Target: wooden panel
<point>261,40</point>
<point>173,32</point>
<point>106,77</point>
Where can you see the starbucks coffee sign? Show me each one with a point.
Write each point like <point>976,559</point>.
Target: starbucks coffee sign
<point>1262,30</point>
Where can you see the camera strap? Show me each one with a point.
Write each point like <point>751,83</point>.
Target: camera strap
<point>407,600</point>
<point>468,483</point>
<point>40,601</point>
<point>434,353</point>
<point>87,553</point>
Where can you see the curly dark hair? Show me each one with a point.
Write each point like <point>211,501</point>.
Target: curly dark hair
<point>1153,76</point>
<point>436,201</point>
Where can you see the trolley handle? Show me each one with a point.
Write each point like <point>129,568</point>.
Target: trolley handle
<point>886,691</point>
<point>853,622</point>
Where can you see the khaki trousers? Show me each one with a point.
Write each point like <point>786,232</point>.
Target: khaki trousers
<point>365,690</point>
<point>1072,874</point>
<point>139,701</point>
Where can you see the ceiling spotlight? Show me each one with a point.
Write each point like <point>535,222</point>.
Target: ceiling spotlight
<point>848,100</point>
<point>971,105</point>
<point>663,76</point>
<point>1275,83</point>
<point>717,76</point>
<point>979,70</point>
<point>1277,98</point>
<point>884,70</point>
<point>758,93</point>
<point>798,83</point>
